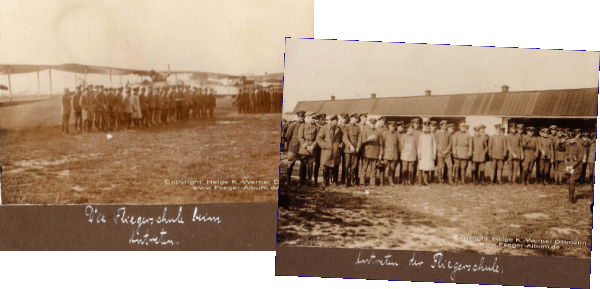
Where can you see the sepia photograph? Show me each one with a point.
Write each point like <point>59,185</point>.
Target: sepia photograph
<point>143,102</point>
<point>438,148</point>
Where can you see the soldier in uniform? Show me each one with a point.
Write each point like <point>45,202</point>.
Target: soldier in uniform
<point>521,134</point>
<point>362,124</point>
<point>307,136</point>
<point>319,120</point>
<point>127,108</point>
<point>552,136</point>
<point>372,144</point>
<point>399,134</point>
<point>118,108</point>
<point>110,95</point>
<point>480,150</point>
<point>530,147</point>
<point>408,154</point>
<point>86,103</point>
<point>444,151</point>
<point>452,171</point>
<point>342,122</point>
<point>463,150</point>
<point>591,159</point>
<point>559,155</point>
<point>350,137</point>
<point>585,144</point>
<point>329,139</point>
<point>497,150</point>
<point>143,107</point>
<point>391,145</point>
<point>66,111</point>
<point>573,160</point>
<point>77,109</point>
<point>546,155</point>
<point>426,151</point>
<point>515,153</point>
<point>381,128</point>
<point>213,103</point>
<point>294,146</point>
<point>151,98</point>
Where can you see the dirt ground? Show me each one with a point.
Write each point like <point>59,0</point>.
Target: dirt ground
<point>438,218</point>
<point>43,166</point>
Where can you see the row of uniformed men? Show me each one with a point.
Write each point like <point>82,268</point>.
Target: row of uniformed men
<point>393,147</point>
<point>108,108</point>
<point>259,100</point>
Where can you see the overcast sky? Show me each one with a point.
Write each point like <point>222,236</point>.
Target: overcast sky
<point>318,69</point>
<point>224,36</point>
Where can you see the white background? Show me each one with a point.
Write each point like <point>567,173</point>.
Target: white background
<point>568,25</point>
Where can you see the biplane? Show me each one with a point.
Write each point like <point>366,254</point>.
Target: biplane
<point>224,85</point>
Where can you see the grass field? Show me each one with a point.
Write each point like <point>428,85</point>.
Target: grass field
<point>43,166</point>
<point>430,218</point>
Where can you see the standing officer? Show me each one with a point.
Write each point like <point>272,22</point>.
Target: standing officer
<point>307,136</point>
<point>463,150</point>
<point>529,146</point>
<point>319,120</point>
<point>77,109</point>
<point>515,152</point>
<point>573,160</point>
<point>399,134</point>
<point>559,155</point>
<point>118,109</point>
<point>546,153</point>
<point>350,138</point>
<point>127,108</point>
<point>480,151</point>
<point>444,151</point>
<point>143,106</point>
<point>381,128</point>
<point>294,146</point>
<point>329,140</point>
<point>83,102</point>
<point>452,171</point>
<point>391,145</point>
<point>363,125</point>
<point>408,154</point>
<point>213,103</point>
<point>151,98</point>
<point>585,144</point>
<point>342,122</point>
<point>66,110</point>
<point>100,108</point>
<point>372,144</point>
<point>521,134</point>
<point>497,152</point>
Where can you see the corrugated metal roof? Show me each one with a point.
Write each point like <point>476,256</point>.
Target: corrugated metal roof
<point>563,102</point>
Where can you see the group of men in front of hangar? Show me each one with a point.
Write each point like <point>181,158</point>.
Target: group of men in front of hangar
<point>364,146</point>
<point>259,99</point>
<point>109,108</point>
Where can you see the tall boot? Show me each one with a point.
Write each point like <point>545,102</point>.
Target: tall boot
<point>482,178</point>
<point>426,176</point>
<point>288,172</point>
<point>440,175</point>
<point>462,175</point>
<point>326,173</point>
<point>419,177</point>
<point>450,176</point>
<point>572,193</point>
<point>302,173</point>
<point>525,178</point>
<point>474,178</point>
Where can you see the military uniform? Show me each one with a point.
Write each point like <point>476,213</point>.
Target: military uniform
<point>530,147</point>
<point>329,140</point>
<point>546,157</point>
<point>444,153</point>
<point>515,151</point>
<point>574,155</point>
<point>66,110</point>
<point>307,136</point>
<point>480,150</point>
<point>372,144</point>
<point>77,109</point>
<point>294,147</point>
<point>463,150</point>
<point>408,154</point>
<point>351,134</point>
<point>391,146</point>
<point>497,150</point>
<point>559,158</point>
